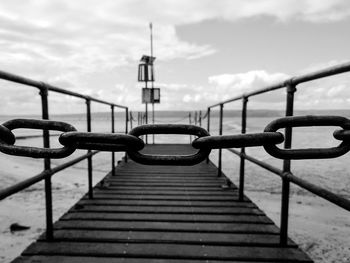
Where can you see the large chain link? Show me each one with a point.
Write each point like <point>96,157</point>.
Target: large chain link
<point>132,144</point>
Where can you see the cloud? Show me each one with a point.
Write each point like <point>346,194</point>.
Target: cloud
<point>80,45</point>
<point>232,85</point>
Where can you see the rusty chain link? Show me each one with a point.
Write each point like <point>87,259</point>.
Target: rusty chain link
<point>132,144</point>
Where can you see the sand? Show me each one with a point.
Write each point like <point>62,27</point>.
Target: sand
<point>321,228</point>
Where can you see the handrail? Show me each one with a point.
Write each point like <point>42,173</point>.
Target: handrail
<point>42,85</point>
<point>286,175</point>
<point>48,171</point>
<point>37,178</point>
<point>338,69</point>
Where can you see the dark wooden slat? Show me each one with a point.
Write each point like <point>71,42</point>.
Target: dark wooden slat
<point>125,196</point>
<point>67,259</point>
<point>170,192</point>
<point>161,179</point>
<point>169,226</point>
<point>170,210</point>
<point>168,184</point>
<point>174,251</point>
<point>227,239</point>
<point>168,217</point>
<point>169,203</point>
<point>173,188</point>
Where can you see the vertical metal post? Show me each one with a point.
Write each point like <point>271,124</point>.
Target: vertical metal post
<point>200,118</point>
<point>146,116</point>
<point>152,117</point>
<point>88,124</point>
<point>190,122</point>
<point>47,164</point>
<point>113,154</point>
<point>220,133</point>
<point>131,119</point>
<point>242,161</point>
<point>286,168</point>
<point>208,126</point>
<point>126,128</point>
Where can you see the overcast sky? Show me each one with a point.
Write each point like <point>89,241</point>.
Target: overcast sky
<point>206,51</point>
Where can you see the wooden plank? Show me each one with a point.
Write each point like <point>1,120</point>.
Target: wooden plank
<point>168,184</point>
<point>257,228</point>
<point>76,259</point>
<point>173,188</point>
<point>169,210</point>
<point>162,202</point>
<point>125,196</point>
<point>161,179</point>
<point>170,192</point>
<point>174,251</point>
<point>225,239</point>
<point>168,217</point>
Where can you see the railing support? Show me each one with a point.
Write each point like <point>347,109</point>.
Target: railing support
<point>286,168</point>
<point>220,133</point>
<point>112,129</point>
<point>47,165</point>
<point>126,129</point>
<point>190,122</point>
<point>208,126</point>
<point>242,159</point>
<point>88,124</point>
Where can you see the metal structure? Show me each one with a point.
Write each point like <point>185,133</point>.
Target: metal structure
<point>285,173</point>
<point>146,74</point>
<point>44,124</point>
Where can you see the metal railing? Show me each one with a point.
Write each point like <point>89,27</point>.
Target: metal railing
<point>285,173</point>
<point>46,174</point>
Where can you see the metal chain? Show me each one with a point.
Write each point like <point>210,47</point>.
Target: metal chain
<point>132,144</point>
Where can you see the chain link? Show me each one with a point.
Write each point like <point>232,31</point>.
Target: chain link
<point>132,144</point>
<point>311,153</point>
<point>112,142</point>
<point>35,152</point>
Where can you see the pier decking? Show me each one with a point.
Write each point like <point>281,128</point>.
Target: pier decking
<point>163,214</point>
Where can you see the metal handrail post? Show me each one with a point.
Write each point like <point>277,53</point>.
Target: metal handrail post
<point>126,128</point>
<point>112,129</point>
<point>220,133</point>
<point>47,165</point>
<point>208,125</point>
<point>88,124</point>
<point>190,122</point>
<point>242,159</point>
<point>286,168</point>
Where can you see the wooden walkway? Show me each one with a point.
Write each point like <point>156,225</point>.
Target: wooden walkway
<point>163,214</point>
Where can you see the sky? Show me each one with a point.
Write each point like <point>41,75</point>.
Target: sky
<point>206,51</point>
